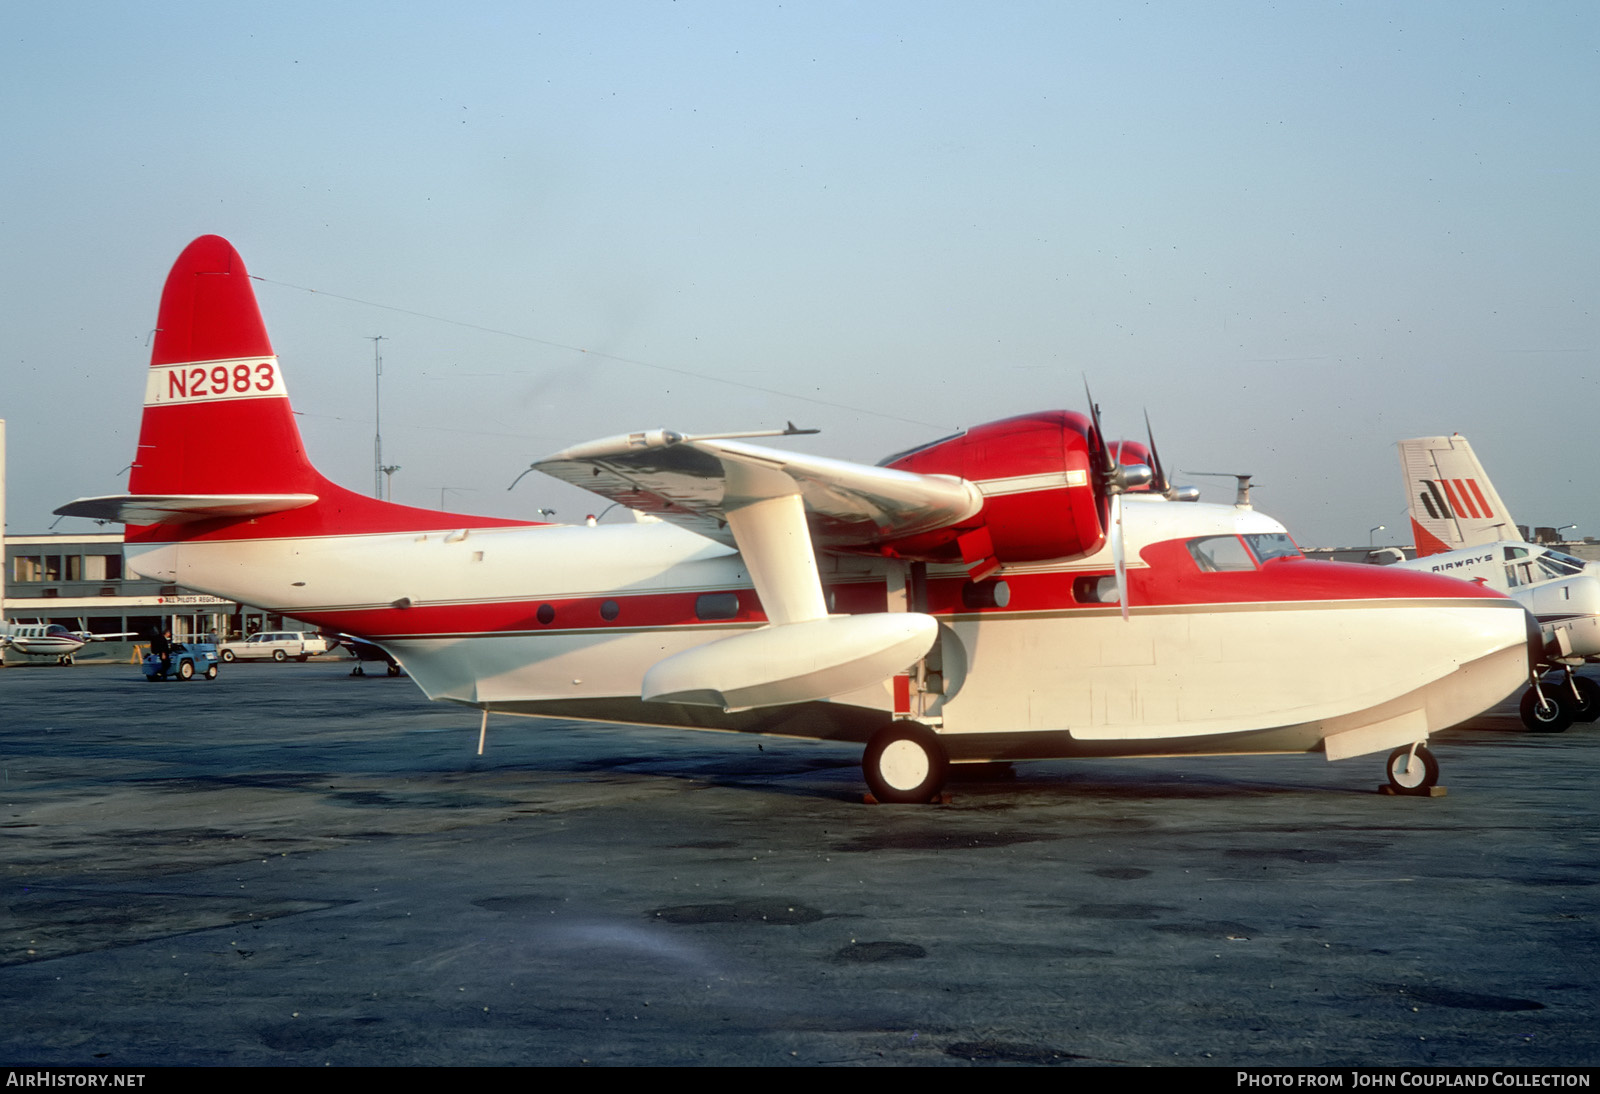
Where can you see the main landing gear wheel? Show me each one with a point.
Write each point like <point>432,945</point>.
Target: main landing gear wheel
<point>394,670</point>
<point>1587,706</point>
<point>1412,773</point>
<point>905,764</point>
<point>1553,716</point>
<point>279,655</point>
<point>227,655</point>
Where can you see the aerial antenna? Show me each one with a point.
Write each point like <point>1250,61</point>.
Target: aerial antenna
<point>377,418</point>
<point>1241,500</point>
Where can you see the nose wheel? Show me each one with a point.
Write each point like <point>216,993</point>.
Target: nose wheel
<point>905,764</point>
<point>1412,770</point>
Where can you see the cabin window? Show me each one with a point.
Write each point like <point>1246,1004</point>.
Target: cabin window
<point>1215,554</point>
<point>1519,567</point>
<point>710,606</point>
<point>546,613</point>
<point>609,610</point>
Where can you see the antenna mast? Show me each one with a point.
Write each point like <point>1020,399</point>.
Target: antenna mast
<point>377,418</point>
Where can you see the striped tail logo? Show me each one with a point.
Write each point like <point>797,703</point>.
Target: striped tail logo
<point>1447,499</point>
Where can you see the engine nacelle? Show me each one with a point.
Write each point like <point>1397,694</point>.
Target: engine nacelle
<point>1043,497</point>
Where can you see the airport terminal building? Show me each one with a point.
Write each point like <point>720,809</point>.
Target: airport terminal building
<point>80,581</point>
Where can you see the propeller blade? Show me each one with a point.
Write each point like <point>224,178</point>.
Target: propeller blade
<point>1108,462</point>
<point>1160,484</point>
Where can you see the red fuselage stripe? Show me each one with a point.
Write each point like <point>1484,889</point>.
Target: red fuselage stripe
<point>1279,584</point>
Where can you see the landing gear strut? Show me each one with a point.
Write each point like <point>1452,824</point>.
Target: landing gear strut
<point>1586,697</point>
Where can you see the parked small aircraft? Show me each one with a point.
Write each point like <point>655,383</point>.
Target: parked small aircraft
<point>49,640</point>
<point>1463,529</point>
<point>996,595</point>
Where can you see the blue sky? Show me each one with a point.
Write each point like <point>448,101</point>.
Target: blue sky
<point>1295,233</point>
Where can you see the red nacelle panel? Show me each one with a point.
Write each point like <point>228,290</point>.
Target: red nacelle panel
<point>1021,521</point>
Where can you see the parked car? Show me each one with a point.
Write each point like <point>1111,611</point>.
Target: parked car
<point>364,651</point>
<point>185,660</point>
<point>275,646</point>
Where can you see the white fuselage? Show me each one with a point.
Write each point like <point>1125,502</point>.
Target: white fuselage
<point>41,639</point>
<point>567,620</point>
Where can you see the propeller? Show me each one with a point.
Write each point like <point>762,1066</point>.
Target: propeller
<point>1118,478</point>
<point>1160,484</point>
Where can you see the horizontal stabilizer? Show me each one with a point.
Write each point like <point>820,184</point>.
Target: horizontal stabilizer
<point>182,508</point>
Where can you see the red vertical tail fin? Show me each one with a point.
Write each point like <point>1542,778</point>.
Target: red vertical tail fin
<point>216,412</point>
<point>220,455</point>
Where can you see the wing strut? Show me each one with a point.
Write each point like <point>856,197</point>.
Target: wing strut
<point>767,516</point>
<point>803,653</point>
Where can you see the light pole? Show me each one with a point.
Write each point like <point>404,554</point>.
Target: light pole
<point>377,419</point>
<point>1370,532</point>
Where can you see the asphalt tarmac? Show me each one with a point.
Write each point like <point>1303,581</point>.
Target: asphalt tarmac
<point>290,866</point>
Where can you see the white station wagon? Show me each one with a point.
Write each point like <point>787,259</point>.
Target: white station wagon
<point>275,646</point>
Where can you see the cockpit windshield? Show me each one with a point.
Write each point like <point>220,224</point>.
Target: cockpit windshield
<point>1214,554</point>
<point>1269,545</point>
<point>1556,564</point>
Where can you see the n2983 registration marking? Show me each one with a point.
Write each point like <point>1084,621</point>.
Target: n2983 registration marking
<point>209,381</point>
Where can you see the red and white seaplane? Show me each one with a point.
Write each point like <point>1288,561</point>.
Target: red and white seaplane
<point>1012,592</point>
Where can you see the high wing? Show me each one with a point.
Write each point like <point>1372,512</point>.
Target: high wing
<point>696,482</point>
<point>774,506</point>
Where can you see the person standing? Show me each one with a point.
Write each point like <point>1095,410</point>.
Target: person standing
<point>161,646</point>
